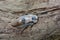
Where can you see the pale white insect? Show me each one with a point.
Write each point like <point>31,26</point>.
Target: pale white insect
<point>28,18</point>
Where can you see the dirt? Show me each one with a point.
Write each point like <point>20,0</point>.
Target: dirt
<point>47,28</point>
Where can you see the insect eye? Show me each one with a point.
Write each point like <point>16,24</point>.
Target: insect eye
<point>33,18</point>
<point>23,20</point>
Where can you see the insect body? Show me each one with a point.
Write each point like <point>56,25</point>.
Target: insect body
<point>28,18</point>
